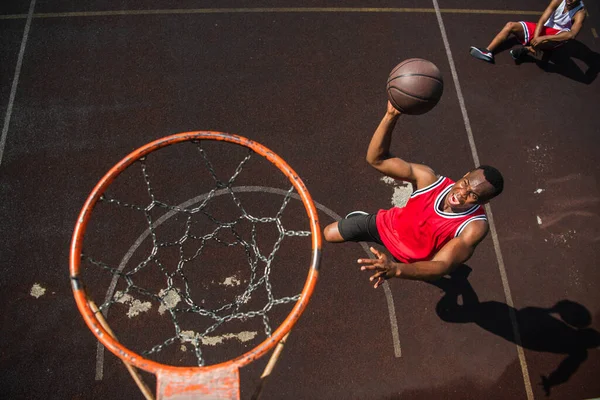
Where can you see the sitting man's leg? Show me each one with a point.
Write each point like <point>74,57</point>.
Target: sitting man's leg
<point>516,29</point>
<point>538,50</point>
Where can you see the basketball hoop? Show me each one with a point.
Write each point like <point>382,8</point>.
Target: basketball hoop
<point>218,381</point>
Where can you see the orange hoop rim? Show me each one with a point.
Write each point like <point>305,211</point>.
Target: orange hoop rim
<point>80,227</point>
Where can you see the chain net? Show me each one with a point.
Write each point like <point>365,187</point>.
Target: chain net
<point>204,261</point>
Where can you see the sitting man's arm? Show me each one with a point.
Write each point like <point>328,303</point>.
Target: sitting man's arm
<point>380,157</point>
<point>545,15</point>
<point>457,251</point>
<point>578,20</point>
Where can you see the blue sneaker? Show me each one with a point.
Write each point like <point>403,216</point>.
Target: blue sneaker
<point>355,214</point>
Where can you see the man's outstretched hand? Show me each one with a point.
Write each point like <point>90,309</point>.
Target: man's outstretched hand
<point>385,268</point>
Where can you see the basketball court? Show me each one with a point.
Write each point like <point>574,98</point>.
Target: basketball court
<point>84,85</point>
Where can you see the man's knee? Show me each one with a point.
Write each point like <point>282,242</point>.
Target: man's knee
<point>513,27</point>
<point>332,234</point>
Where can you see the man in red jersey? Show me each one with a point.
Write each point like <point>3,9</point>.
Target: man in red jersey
<point>439,227</point>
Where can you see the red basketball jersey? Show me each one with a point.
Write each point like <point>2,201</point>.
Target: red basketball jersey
<point>417,231</point>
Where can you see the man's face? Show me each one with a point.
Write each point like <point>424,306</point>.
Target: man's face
<point>469,190</point>
<point>572,3</point>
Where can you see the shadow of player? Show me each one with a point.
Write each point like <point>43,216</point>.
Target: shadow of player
<point>561,329</point>
<point>561,60</point>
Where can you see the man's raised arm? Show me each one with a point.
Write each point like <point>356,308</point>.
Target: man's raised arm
<point>380,158</point>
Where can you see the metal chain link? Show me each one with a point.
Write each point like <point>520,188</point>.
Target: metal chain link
<point>254,257</point>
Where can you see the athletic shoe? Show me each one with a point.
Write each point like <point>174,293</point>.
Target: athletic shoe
<point>519,53</point>
<point>482,54</point>
<point>355,214</point>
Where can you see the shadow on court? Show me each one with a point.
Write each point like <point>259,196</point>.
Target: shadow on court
<point>561,329</point>
<point>468,387</point>
<point>562,60</point>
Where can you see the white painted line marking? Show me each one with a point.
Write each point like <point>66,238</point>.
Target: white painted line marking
<point>393,319</point>
<point>15,83</point>
<point>507,294</point>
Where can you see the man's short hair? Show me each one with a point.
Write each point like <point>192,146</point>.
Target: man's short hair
<point>493,176</point>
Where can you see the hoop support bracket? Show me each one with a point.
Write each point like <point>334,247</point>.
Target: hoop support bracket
<point>221,383</point>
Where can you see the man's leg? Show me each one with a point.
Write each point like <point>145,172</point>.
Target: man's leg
<point>356,228</point>
<point>511,28</point>
<point>487,53</point>
<point>537,52</point>
<point>543,50</point>
<point>332,234</point>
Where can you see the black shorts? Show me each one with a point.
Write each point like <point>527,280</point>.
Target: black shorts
<point>360,228</point>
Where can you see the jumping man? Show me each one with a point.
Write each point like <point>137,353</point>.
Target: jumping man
<point>437,230</point>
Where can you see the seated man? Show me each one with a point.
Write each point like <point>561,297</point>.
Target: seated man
<point>437,230</point>
<point>561,21</point>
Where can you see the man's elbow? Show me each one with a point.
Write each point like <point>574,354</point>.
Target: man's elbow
<point>440,271</point>
<point>572,34</point>
<point>374,162</point>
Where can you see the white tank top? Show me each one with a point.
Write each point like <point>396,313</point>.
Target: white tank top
<point>563,21</point>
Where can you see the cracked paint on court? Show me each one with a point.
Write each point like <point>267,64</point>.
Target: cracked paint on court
<point>402,191</point>
<point>170,298</point>
<point>37,290</point>
<point>190,336</point>
<point>135,306</point>
<point>231,281</point>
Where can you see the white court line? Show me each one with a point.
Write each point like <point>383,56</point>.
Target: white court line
<point>501,267</point>
<point>15,83</point>
<point>111,289</point>
<point>391,308</point>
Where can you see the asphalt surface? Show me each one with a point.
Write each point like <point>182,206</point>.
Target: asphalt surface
<point>310,85</point>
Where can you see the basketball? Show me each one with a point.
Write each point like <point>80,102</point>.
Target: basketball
<point>415,86</point>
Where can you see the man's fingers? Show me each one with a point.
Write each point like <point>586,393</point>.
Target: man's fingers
<point>376,275</point>
<point>372,267</point>
<point>374,251</point>
<point>369,263</point>
<point>377,254</point>
<point>379,282</point>
<point>366,261</point>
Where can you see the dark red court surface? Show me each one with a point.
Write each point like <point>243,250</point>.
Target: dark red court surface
<point>83,85</point>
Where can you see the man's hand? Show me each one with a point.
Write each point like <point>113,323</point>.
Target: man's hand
<point>385,268</point>
<point>536,41</point>
<point>391,110</point>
